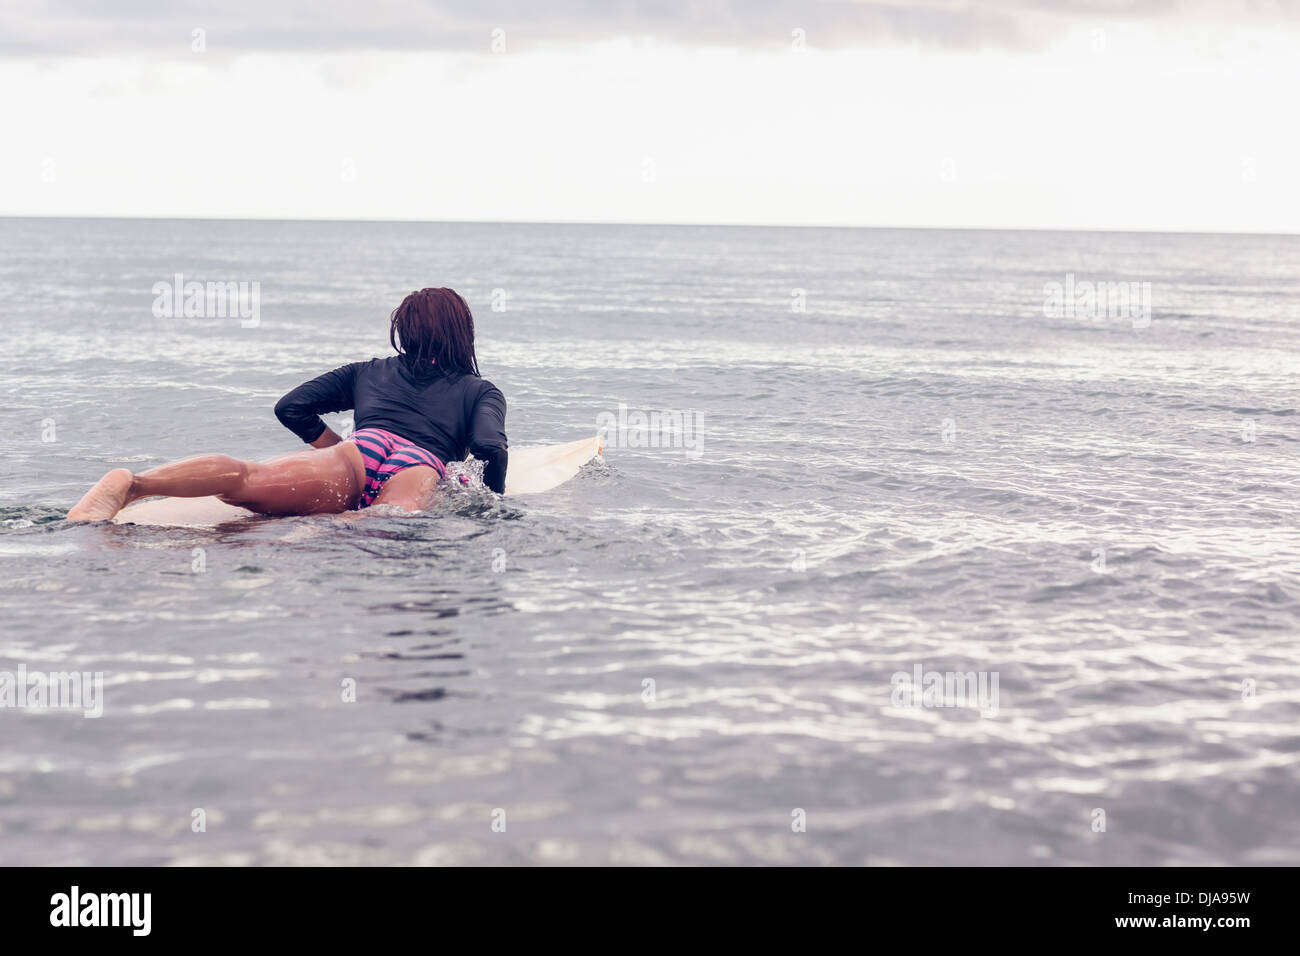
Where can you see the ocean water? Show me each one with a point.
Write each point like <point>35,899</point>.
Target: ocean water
<point>895,460</point>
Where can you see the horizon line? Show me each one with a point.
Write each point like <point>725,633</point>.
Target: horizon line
<point>707,225</point>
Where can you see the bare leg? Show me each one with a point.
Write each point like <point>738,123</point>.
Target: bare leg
<point>319,481</point>
<point>412,488</point>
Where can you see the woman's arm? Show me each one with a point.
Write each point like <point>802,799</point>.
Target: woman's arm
<point>487,437</point>
<point>300,410</point>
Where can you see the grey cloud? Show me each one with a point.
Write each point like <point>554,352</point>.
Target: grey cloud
<point>91,27</point>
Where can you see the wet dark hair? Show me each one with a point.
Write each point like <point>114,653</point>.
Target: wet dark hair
<point>433,330</point>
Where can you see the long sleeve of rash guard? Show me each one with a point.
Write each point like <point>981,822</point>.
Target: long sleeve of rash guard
<point>300,410</point>
<point>487,437</point>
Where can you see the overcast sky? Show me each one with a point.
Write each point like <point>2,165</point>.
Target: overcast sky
<point>1108,114</point>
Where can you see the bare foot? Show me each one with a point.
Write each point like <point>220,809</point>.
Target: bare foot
<point>105,499</point>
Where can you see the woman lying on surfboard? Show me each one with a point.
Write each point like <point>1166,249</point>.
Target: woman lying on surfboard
<point>414,412</point>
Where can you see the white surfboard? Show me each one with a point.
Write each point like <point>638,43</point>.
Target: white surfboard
<point>543,467</point>
<point>531,471</point>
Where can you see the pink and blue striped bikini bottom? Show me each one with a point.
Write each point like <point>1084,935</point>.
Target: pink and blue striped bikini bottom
<point>385,454</point>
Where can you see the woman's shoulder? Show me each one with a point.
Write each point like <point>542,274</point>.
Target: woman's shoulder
<point>485,389</point>
<point>374,364</point>
<point>475,385</point>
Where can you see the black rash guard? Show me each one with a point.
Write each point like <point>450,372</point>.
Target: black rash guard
<point>446,414</point>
